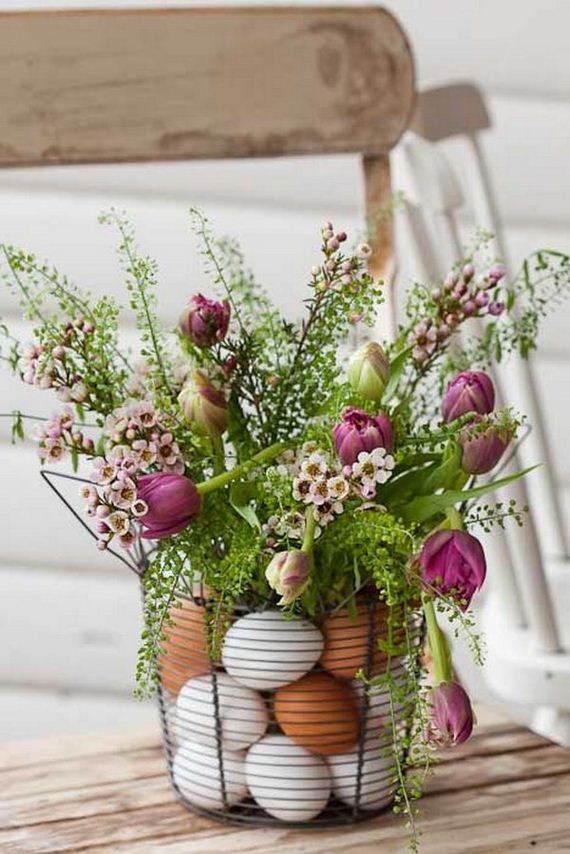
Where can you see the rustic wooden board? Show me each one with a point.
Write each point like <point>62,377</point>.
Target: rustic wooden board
<point>168,84</point>
<point>506,790</point>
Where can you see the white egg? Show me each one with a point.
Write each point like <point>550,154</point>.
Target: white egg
<point>265,650</point>
<point>196,774</point>
<point>375,778</point>
<point>171,722</point>
<point>287,781</point>
<point>378,713</point>
<point>242,712</point>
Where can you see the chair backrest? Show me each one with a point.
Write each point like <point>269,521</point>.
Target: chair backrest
<point>435,190</point>
<point>172,84</point>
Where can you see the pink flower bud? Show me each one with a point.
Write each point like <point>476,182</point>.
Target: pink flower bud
<point>470,391</point>
<point>482,299</point>
<point>204,406</point>
<point>453,564</point>
<point>498,272</point>
<point>288,574</point>
<point>468,272</point>
<point>173,503</point>
<point>482,448</point>
<point>229,365</point>
<point>368,371</point>
<point>205,321</point>
<point>451,715</point>
<point>496,308</point>
<point>358,431</point>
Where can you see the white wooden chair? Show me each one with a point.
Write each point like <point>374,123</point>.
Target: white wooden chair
<point>526,661</point>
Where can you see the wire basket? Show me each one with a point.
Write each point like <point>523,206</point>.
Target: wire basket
<point>276,729</point>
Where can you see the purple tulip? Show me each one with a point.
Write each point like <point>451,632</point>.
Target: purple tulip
<point>173,503</point>
<point>204,406</point>
<point>470,391</point>
<point>205,321</point>
<point>358,431</point>
<point>482,448</point>
<point>453,563</point>
<point>288,574</point>
<point>451,715</point>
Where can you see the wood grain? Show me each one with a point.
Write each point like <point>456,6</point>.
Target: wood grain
<point>124,85</point>
<point>506,790</point>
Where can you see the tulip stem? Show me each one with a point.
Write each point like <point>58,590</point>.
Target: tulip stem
<point>437,643</point>
<point>454,520</point>
<point>310,527</point>
<point>238,471</point>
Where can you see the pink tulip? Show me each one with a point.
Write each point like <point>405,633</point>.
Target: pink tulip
<point>205,321</point>
<point>204,406</point>
<point>482,449</point>
<point>288,574</point>
<point>470,391</point>
<point>358,431</point>
<point>451,715</point>
<point>173,503</point>
<point>453,563</point>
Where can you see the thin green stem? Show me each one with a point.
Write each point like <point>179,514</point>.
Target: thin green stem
<point>17,414</point>
<point>310,528</point>
<point>21,285</point>
<point>127,240</point>
<point>226,477</point>
<point>454,519</point>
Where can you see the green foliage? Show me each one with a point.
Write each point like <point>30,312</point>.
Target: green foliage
<point>286,373</point>
<point>283,381</point>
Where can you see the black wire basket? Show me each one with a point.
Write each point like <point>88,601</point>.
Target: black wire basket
<point>269,725</point>
<point>274,727</point>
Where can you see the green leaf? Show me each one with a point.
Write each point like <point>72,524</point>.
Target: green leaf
<point>423,508</point>
<point>242,494</point>
<point>447,475</point>
<point>397,366</point>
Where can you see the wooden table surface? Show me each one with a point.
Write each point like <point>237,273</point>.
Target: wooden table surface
<point>505,790</point>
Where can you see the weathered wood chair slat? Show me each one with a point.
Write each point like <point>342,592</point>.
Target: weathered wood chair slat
<point>176,84</point>
<point>196,83</point>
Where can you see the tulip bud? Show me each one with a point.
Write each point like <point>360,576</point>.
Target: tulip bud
<point>173,503</point>
<point>368,371</point>
<point>288,574</point>
<point>204,406</point>
<point>451,715</point>
<point>470,391</point>
<point>453,563</point>
<point>205,321</point>
<point>358,431</point>
<point>482,449</point>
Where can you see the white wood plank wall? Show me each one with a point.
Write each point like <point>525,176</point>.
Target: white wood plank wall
<point>69,617</point>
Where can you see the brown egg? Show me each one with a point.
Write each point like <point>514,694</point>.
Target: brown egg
<point>185,647</point>
<point>350,645</point>
<point>319,713</point>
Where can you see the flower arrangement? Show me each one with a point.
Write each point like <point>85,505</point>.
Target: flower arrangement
<point>252,452</point>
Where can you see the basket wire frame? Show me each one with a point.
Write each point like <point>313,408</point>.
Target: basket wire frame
<point>349,786</point>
